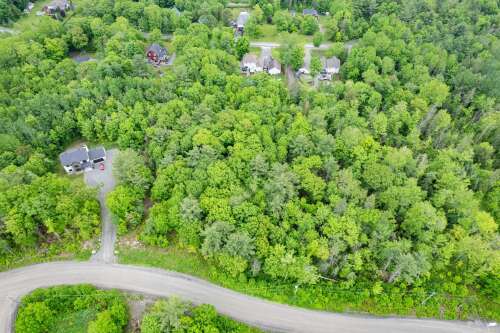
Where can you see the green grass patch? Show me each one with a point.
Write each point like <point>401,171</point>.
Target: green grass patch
<point>322,296</point>
<point>319,53</point>
<point>72,309</point>
<point>255,50</point>
<point>76,322</point>
<point>53,252</point>
<point>270,34</point>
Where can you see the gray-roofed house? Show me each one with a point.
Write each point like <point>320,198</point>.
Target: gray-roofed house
<point>310,11</point>
<point>264,61</point>
<point>274,68</point>
<point>250,64</point>
<point>331,66</point>
<point>29,7</point>
<point>241,21</point>
<point>157,54</point>
<point>57,7</point>
<point>82,159</point>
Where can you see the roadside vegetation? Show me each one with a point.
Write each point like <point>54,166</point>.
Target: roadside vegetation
<point>68,309</point>
<point>44,216</point>
<point>86,309</point>
<point>365,298</point>
<point>378,192</point>
<point>175,315</point>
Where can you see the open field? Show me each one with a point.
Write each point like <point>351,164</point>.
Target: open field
<point>270,34</point>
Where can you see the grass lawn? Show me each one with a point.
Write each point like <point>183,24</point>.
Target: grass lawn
<point>255,50</point>
<point>270,34</point>
<point>36,256</point>
<point>75,322</point>
<point>26,22</point>
<point>322,296</point>
<point>319,53</point>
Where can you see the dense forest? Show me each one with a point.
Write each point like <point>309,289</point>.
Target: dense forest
<point>385,178</point>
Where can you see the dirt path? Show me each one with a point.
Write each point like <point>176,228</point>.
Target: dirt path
<point>106,181</point>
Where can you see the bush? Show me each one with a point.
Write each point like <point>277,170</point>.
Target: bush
<point>44,310</point>
<point>317,39</point>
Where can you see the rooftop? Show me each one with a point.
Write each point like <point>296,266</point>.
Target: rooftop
<point>74,155</point>
<point>242,19</point>
<point>332,62</point>
<point>80,154</point>
<point>249,58</point>
<point>62,4</point>
<point>310,11</point>
<point>96,153</point>
<point>159,50</point>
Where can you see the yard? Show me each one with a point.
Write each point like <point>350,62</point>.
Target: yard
<point>27,21</point>
<point>269,33</point>
<point>75,322</point>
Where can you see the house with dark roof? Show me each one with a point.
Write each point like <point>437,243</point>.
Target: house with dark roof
<point>241,21</point>
<point>269,64</point>
<point>310,11</point>
<point>331,66</point>
<point>274,67</point>
<point>250,64</point>
<point>157,54</point>
<point>57,7</point>
<point>82,159</point>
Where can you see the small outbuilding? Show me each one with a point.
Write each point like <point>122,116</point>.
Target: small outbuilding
<point>157,54</point>
<point>82,159</point>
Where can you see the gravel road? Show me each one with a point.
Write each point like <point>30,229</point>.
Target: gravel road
<point>106,181</point>
<point>267,315</point>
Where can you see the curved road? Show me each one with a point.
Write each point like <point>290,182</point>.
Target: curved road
<point>267,315</point>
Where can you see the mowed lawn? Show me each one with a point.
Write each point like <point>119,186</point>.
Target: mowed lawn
<point>27,21</point>
<point>76,322</point>
<point>269,33</point>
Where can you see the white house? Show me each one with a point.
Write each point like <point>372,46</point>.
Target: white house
<point>241,21</point>
<point>274,68</point>
<point>250,65</point>
<point>331,66</point>
<point>82,159</point>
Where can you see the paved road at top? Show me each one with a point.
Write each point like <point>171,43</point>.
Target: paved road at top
<point>267,315</point>
<point>106,181</point>
<point>264,44</point>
